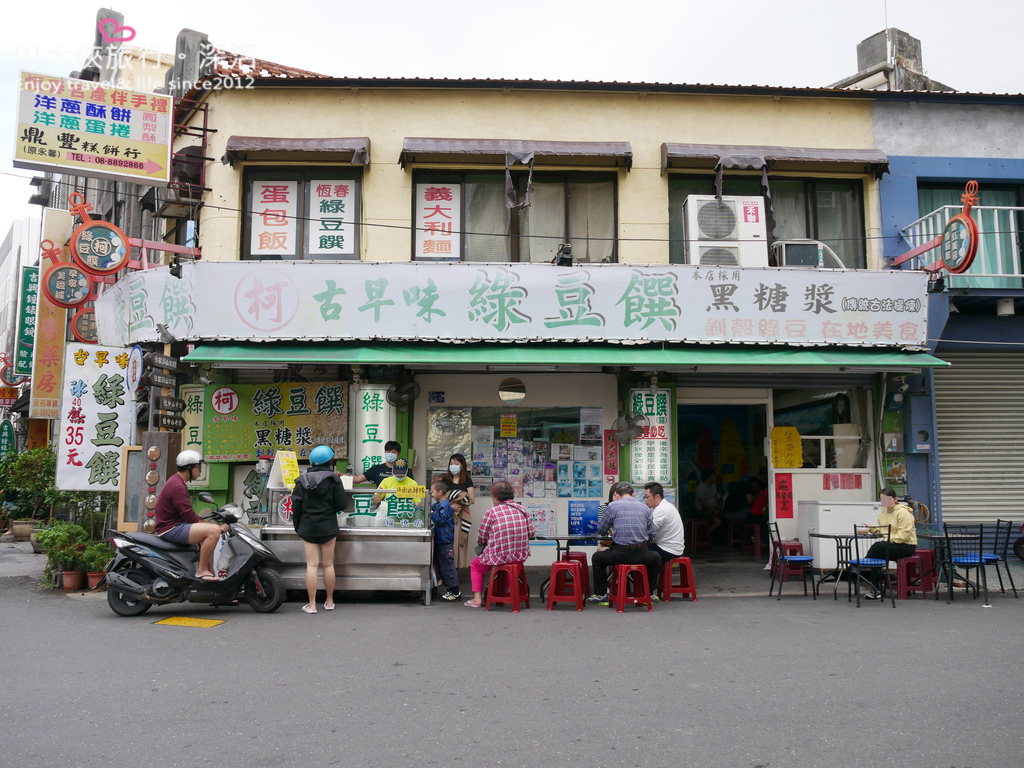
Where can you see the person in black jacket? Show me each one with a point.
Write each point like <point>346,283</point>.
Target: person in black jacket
<point>317,499</point>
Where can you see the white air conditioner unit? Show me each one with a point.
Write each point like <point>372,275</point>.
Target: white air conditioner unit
<point>732,234</point>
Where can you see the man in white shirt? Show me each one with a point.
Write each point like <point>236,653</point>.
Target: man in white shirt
<point>668,525</point>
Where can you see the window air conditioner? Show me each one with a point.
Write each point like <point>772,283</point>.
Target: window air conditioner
<point>732,234</point>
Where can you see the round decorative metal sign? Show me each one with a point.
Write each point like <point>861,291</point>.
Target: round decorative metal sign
<point>83,326</point>
<point>67,285</point>
<point>99,247</point>
<point>959,243</point>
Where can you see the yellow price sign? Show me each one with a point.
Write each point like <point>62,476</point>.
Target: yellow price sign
<point>787,450</point>
<point>411,491</point>
<point>289,468</point>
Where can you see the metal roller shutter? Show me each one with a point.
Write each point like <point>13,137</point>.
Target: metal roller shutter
<point>979,402</point>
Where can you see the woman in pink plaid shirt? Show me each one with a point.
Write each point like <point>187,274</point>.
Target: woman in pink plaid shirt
<point>505,532</point>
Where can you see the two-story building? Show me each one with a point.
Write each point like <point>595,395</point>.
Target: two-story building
<point>537,275</point>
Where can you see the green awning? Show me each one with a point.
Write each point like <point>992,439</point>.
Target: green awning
<point>661,357</point>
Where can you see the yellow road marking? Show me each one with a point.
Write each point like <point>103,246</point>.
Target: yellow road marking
<point>186,621</point>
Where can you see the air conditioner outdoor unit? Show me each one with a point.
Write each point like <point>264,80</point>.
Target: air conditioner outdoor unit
<point>732,234</point>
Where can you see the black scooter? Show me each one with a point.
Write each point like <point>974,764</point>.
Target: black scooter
<point>148,571</point>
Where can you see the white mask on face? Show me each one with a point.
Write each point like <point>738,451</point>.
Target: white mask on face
<point>455,468</point>
<point>390,456</point>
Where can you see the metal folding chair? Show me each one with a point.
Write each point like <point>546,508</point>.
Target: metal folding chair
<point>965,545</point>
<point>860,563</point>
<point>783,562</point>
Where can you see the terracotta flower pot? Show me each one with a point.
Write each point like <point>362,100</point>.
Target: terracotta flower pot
<point>72,580</point>
<point>94,579</point>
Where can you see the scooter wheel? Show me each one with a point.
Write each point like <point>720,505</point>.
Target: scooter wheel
<point>125,605</point>
<point>271,596</point>
<point>1018,547</point>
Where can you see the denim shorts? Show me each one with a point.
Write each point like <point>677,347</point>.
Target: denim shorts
<point>178,534</point>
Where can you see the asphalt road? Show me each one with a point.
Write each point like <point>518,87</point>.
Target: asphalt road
<point>745,681</point>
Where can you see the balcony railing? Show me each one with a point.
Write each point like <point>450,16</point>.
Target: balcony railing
<point>998,262</point>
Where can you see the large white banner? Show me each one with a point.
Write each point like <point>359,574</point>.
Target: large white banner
<point>517,302</point>
<point>95,418</point>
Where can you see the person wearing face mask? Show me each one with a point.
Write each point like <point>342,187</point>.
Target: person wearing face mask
<point>376,473</point>
<point>458,479</point>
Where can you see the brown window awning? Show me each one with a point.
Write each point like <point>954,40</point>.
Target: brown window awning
<point>711,156</point>
<point>353,150</point>
<point>502,151</point>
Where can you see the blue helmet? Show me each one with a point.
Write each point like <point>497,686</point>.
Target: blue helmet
<point>321,455</point>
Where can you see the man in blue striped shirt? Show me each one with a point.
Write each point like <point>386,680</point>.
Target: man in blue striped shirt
<point>632,529</point>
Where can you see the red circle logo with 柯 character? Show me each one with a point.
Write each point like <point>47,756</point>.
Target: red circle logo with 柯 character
<point>266,300</point>
<point>224,400</point>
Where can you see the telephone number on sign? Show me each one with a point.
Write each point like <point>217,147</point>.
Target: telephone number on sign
<point>121,163</point>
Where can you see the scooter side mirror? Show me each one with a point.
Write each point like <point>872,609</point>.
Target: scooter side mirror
<point>207,497</point>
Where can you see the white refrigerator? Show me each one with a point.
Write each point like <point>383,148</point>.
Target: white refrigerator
<point>831,517</point>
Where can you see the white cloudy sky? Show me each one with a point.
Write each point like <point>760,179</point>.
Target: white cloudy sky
<point>970,46</point>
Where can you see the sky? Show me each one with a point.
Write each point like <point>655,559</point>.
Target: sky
<point>804,43</point>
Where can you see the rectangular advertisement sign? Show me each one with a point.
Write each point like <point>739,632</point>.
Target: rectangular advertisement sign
<point>27,307</point>
<point>95,422</point>
<point>520,302</point>
<point>246,421</point>
<point>93,129</point>
<point>51,325</point>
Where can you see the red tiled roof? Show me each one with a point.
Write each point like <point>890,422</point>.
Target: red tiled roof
<point>227,64</point>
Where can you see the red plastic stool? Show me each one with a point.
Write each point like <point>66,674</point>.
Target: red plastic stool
<point>928,564</point>
<point>755,544</point>
<point>581,558</point>
<point>910,577</point>
<point>508,585</point>
<point>700,531</point>
<point>633,591</point>
<point>686,586</point>
<point>793,547</point>
<point>566,584</point>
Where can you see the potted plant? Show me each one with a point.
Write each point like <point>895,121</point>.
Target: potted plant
<point>64,544</point>
<point>95,559</point>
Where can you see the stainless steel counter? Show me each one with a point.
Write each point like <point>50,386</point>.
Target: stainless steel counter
<point>365,559</point>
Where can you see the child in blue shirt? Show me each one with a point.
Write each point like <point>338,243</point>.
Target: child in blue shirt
<point>443,518</point>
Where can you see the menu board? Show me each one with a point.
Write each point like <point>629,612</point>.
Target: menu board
<point>246,421</point>
<point>652,451</point>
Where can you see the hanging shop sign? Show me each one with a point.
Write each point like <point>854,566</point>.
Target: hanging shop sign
<point>192,396</point>
<point>51,319</point>
<point>8,396</point>
<point>95,422</point>
<point>38,433</point>
<point>93,129</point>
<point>66,285</point>
<point>520,302</point>
<point>135,369</point>
<point>244,422</point>
<point>960,237</point>
<point>7,375</point>
<point>373,426</point>
<point>787,448</point>
<point>651,452</point>
<point>7,445</point>
<point>83,325</point>
<point>98,248</point>
<point>27,307</point>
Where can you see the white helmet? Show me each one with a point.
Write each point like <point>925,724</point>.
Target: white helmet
<point>188,459</point>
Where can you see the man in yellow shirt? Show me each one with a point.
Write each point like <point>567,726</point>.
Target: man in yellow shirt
<point>902,540</point>
<point>403,511</point>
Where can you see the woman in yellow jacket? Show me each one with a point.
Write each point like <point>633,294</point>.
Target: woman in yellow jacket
<point>902,540</point>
